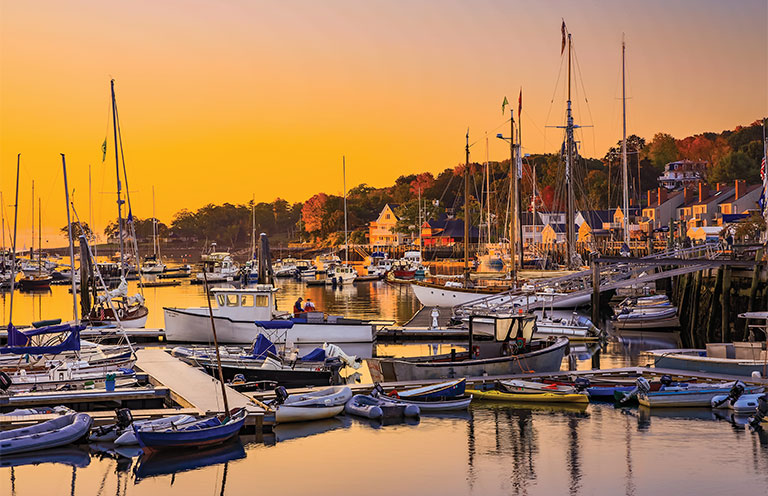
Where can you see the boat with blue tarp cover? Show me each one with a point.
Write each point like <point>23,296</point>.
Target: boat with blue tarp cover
<point>206,432</point>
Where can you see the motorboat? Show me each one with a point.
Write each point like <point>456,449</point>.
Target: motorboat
<point>218,267</point>
<point>512,351</point>
<point>153,265</point>
<point>242,314</point>
<point>346,273</point>
<point>285,268</point>
<point>116,305</point>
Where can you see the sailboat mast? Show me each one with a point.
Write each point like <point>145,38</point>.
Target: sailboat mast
<point>487,190</point>
<point>253,227</point>
<point>466,215</point>
<point>344,183</point>
<point>117,172</point>
<point>765,178</point>
<point>421,256</point>
<point>71,240</point>
<point>32,246</point>
<point>624,167</point>
<point>519,199</point>
<point>569,218</point>
<point>515,213</point>
<point>40,236</point>
<point>155,244</point>
<point>13,242</point>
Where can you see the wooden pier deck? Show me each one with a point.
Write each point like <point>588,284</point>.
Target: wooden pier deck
<point>193,388</point>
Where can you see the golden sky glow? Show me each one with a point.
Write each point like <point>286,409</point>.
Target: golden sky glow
<point>223,100</point>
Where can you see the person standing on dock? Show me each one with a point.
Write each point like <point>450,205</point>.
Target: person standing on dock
<point>297,307</point>
<point>309,306</point>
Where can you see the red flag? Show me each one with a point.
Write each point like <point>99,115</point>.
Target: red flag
<point>562,46</point>
<point>762,170</point>
<point>519,104</point>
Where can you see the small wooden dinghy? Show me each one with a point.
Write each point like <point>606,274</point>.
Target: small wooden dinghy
<point>51,434</point>
<point>363,405</point>
<point>440,391</point>
<point>692,395</point>
<point>434,401</point>
<point>209,431</point>
<point>496,395</point>
<point>531,387</point>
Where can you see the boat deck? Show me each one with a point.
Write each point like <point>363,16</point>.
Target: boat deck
<point>193,388</point>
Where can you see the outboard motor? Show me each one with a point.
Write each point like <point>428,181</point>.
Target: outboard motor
<point>734,394</point>
<point>124,417</point>
<point>281,394</point>
<point>377,390</point>
<point>581,383</point>
<point>762,413</point>
<point>666,381</point>
<point>334,364</point>
<point>641,386</point>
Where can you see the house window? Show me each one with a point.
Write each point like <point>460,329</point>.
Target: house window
<point>387,217</point>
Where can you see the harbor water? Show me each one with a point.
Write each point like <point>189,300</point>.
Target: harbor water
<point>494,448</point>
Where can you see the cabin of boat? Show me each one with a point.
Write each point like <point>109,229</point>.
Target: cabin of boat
<point>241,314</point>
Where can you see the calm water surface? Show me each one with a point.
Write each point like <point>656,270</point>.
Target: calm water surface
<point>494,448</point>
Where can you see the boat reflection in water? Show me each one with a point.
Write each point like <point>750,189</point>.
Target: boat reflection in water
<point>172,462</point>
<point>73,456</point>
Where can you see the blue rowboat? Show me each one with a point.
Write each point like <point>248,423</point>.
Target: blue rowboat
<point>441,391</point>
<point>206,432</point>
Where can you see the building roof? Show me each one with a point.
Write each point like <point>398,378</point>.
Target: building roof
<point>716,196</point>
<point>670,196</point>
<point>596,218</point>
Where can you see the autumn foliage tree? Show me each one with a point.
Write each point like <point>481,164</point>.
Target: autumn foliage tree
<point>312,213</point>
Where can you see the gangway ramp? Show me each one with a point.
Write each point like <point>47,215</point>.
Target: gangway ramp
<point>193,388</point>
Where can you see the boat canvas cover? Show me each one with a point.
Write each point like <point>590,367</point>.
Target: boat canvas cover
<point>19,341</point>
<point>316,355</point>
<point>262,347</point>
<point>274,324</point>
<point>503,327</point>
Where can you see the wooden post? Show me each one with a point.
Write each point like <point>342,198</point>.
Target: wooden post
<point>694,318</point>
<point>713,306</point>
<point>755,281</point>
<point>595,291</point>
<point>725,305</point>
<point>683,297</point>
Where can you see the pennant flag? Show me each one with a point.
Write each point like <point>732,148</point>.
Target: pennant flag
<point>519,104</point>
<point>104,150</point>
<point>762,170</point>
<point>562,45</point>
<point>130,216</point>
<point>504,104</point>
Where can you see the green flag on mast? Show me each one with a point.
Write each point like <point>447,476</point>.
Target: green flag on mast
<point>504,104</point>
<point>104,150</point>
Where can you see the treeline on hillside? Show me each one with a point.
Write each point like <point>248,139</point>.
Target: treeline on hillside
<point>732,155</point>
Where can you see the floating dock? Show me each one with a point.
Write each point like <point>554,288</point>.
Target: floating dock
<point>192,388</point>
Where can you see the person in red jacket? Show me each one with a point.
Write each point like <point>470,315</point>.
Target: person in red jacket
<point>297,308</point>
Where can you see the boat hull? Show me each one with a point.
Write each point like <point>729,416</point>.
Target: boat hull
<point>434,296</point>
<point>51,434</point>
<point>690,359</point>
<point>291,413</point>
<point>547,359</point>
<point>188,326</point>
<point>174,439</point>
<point>529,397</point>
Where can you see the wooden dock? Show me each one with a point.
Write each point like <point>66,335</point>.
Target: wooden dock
<point>192,388</point>
<point>111,334</point>
<point>83,396</point>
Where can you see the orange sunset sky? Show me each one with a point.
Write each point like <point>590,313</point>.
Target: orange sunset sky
<point>223,100</point>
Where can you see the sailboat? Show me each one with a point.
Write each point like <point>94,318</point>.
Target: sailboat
<point>450,295</point>
<point>153,264</point>
<point>39,280</point>
<point>130,311</point>
<point>345,272</point>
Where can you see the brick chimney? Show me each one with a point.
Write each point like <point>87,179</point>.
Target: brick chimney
<point>687,194</point>
<point>662,195</point>
<point>741,188</point>
<point>703,192</point>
